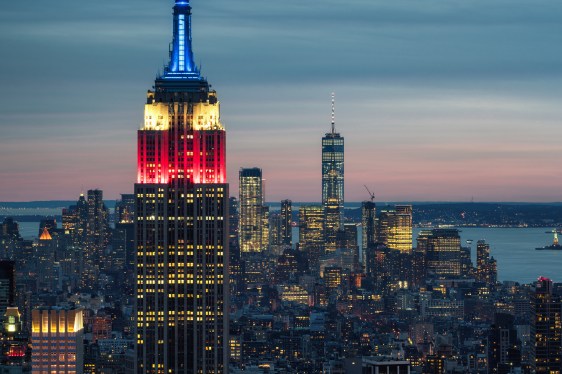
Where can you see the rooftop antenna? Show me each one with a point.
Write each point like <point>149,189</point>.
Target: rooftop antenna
<point>370,193</point>
<point>333,112</point>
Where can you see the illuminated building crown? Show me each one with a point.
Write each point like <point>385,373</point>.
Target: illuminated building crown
<point>182,65</point>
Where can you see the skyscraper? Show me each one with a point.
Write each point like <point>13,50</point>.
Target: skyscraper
<point>394,228</point>
<point>546,329</point>
<point>97,239</point>
<point>181,220</point>
<point>311,234</point>
<point>443,252</point>
<point>58,341</point>
<point>7,286</point>
<point>251,210</point>
<point>368,224</point>
<point>286,223</point>
<point>486,267</point>
<point>332,183</point>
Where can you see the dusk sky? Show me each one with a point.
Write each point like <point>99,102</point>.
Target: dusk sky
<point>442,100</point>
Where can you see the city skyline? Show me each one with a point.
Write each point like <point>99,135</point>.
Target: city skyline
<point>436,101</point>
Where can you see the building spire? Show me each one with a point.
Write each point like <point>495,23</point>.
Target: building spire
<point>182,64</point>
<point>333,112</point>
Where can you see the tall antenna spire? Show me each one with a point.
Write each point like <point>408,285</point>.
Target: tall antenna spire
<point>333,112</point>
<point>182,64</point>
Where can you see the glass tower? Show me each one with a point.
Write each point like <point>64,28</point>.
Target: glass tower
<point>251,210</point>
<point>181,220</point>
<point>332,183</point>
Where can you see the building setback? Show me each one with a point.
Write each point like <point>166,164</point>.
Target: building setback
<point>181,220</point>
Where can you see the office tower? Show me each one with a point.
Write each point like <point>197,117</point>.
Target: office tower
<point>74,226</point>
<point>10,238</point>
<point>101,327</point>
<point>546,329</point>
<point>486,266</point>
<point>311,234</point>
<point>7,285</point>
<point>45,261</point>
<point>98,231</point>
<point>265,227</point>
<point>251,210</point>
<point>235,264</point>
<point>275,239</point>
<point>467,268</point>
<point>87,234</point>
<point>368,224</point>
<point>9,229</point>
<point>49,224</point>
<point>125,209</point>
<point>443,252</point>
<point>482,255</point>
<point>181,221</point>
<point>332,277</point>
<point>503,346</point>
<point>233,222</point>
<point>58,340</point>
<point>348,247</point>
<point>286,229</point>
<point>394,228</point>
<point>332,182</point>
<point>75,222</point>
<point>124,236</point>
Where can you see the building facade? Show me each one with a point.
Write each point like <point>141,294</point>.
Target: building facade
<point>57,336</point>
<point>251,221</point>
<point>181,220</point>
<point>286,231</point>
<point>546,328</point>
<point>443,252</point>
<point>394,228</point>
<point>311,234</point>
<point>368,223</point>
<point>332,183</point>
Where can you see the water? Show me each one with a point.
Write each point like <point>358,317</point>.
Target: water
<point>514,249</point>
<point>29,230</point>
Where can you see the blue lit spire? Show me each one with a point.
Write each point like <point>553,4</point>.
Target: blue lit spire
<point>182,65</point>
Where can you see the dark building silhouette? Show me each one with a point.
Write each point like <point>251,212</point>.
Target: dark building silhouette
<point>546,328</point>
<point>7,286</point>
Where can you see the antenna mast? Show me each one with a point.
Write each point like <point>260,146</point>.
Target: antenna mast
<point>333,112</point>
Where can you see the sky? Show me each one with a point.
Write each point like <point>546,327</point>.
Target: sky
<point>438,100</point>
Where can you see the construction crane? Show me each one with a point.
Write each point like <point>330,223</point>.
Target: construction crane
<point>370,193</point>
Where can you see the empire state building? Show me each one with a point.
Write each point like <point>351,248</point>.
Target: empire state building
<point>181,224</point>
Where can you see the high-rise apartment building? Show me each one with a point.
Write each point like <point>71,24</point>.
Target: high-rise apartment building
<point>57,336</point>
<point>96,239</point>
<point>311,234</point>
<point>443,252</point>
<point>546,329</point>
<point>181,221</point>
<point>286,229</point>
<point>394,228</point>
<point>332,183</point>
<point>368,224</point>
<point>486,267</point>
<point>251,210</point>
